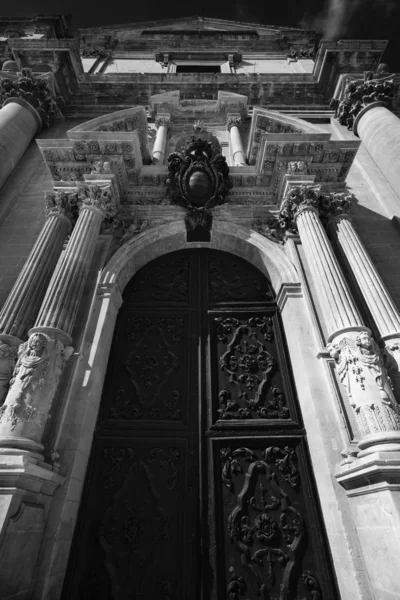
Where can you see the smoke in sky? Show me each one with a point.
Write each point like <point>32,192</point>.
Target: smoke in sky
<point>338,16</point>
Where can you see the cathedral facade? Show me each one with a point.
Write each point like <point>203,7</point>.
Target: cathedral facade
<point>199,313</point>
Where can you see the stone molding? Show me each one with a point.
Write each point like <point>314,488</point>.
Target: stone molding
<point>360,94</point>
<point>36,92</point>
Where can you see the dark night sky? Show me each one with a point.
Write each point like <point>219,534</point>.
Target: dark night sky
<point>362,19</point>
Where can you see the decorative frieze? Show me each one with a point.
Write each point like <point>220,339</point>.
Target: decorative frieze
<point>33,90</point>
<point>361,93</point>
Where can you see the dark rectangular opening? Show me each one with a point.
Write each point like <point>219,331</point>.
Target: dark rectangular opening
<point>198,69</point>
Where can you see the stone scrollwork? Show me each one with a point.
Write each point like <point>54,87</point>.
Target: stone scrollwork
<point>269,228</point>
<point>8,357</point>
<point>61,203</point>
<point>360,366</point>
<point>35,379</point>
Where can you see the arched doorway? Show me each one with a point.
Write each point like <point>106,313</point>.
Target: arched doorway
<point>199,484</point>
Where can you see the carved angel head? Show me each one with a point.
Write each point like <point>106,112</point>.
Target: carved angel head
<point>37,344</point>
<point>334,351</point>
<point>364,340</point>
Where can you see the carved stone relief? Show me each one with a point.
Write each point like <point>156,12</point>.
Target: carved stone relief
<point>361,369</point>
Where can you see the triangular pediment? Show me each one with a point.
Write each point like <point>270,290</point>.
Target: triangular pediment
<point>192,23</point>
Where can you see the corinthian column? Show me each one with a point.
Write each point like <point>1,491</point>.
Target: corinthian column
<point>163,123</point>
<point>359,361</point>
<point>366,109</point>
<point>381,306</point>
<point>19,312</point>
<point>41,359</point>
<point>27,104</point>
<point>233,124</point>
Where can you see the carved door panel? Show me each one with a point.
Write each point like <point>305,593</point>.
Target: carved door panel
<point>199,483</point>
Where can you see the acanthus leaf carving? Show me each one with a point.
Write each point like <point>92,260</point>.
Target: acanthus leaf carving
<point>35,91</point>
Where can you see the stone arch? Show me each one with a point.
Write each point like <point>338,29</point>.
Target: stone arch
<point>269,257</point>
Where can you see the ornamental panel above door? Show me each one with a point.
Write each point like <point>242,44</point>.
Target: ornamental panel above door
<point>199,484</point>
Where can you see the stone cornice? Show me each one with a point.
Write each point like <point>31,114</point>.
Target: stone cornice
<point>310,197</point>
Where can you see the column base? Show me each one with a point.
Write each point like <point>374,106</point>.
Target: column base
<point>26,486</point>
<point>372,484</point>
<point>379,442</point>
<point>20,445</point>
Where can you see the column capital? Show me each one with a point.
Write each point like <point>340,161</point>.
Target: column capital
<point>61,203</point>
<point>361,93</point>
<point>104,197</point>
<point>328,206</point>
<point>164,120</point>
<point>34,90</point>
<point>233,120</point>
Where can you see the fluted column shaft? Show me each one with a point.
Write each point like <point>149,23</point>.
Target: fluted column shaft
<point>238,153</point>
<point>19,123</point>
<point>163,123</point>
<point>340,311</point>
<point>359,362</point>
<point>20,310</point>
<point>42,358</point>
<point>61,302</point>
<point>381,306</point>
<point>379,129</point>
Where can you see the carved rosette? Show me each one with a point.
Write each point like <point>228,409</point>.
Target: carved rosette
<point>310,197</point>
<point>8,357</point>
<point>233,121</point>
<point>32,388</point>
<point>360,365</point>
<point>359,94</point>
<point>296,167</point>
<point>34,91</point>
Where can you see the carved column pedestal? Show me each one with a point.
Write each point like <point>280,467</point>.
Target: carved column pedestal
<point>41,359</point>
<point>26,488</point>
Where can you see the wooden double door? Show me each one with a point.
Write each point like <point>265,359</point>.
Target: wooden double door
<point>199,484</point>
